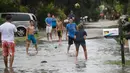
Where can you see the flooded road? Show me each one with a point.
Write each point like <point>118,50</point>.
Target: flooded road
<point>53,58</point>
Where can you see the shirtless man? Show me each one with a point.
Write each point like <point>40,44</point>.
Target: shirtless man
<point>59,29</point>
<point>30,36</point>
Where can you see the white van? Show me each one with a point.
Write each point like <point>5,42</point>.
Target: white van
<point>21,21</point>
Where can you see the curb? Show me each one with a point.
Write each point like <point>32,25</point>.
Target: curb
<point>114,26</point>
<point>97,37</point>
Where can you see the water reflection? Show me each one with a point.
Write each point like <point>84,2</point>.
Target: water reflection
<point>124,70</point>
<point>11,70</point>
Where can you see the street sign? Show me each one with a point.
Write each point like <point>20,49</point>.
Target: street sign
<point>111,32</point>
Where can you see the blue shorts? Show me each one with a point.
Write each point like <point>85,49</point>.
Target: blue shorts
<point>32,38</point>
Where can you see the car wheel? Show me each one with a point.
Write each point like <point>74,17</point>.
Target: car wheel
<point>21,32</point>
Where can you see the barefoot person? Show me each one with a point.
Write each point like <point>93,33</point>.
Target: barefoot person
<point>48,21</point>
<point>30,36</point>
<point>7,36</point>
<point>80,37</point>
<point>59,29</point>
<point>71,29</point>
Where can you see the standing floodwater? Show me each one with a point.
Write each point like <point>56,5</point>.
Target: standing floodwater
<point>55,60</point>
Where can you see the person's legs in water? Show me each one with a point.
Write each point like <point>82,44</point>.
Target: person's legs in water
<point>51,36</point>
<point>85,51</point>
<point>55,32</point>
<point>50,32</point>
<point>58,32</point>
<point>27,46</point>
<point>60,39</point>
<point>34,42</point>
<point>36,48</point>
<point>77,50</point>
<point>68,49</point>
<point>5,52</point>
<point>60,36</point>
<point>11,52</point>
<point>48,36</point>
<point>11,61</point>
<point>47,32</point>
<point>70,42</point>
<point>6,61</point>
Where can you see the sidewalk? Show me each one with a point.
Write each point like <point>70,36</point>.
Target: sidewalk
<point>95,29</point>
<point>101,24</point>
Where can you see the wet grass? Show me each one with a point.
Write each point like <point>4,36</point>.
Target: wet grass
<point>127,63</point>
<point>114,26</point>
<point>23,39</point>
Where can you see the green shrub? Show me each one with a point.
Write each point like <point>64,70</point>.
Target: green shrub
<point>23,8</point>
<point>128,9</point>
<point>2,21</point>
<point>119,7</point>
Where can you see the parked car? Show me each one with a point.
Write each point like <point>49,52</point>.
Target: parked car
<point>21,21</point>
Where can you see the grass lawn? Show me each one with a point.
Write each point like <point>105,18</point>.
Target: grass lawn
<point>23,39</point>
<point>127,62</point>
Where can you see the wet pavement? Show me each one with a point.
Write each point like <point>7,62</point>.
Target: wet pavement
<point>52,58</point>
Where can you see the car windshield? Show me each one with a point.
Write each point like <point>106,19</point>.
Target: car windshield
<point>18,17</point>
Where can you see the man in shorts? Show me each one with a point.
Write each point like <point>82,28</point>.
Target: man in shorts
<point>7,30</point>
<point>71,29</point>
<point>30,36</point>
<point>48,21</point>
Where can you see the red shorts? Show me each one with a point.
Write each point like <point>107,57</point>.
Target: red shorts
<point>8,48</point>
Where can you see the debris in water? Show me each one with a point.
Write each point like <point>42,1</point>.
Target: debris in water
<point>43,61</point>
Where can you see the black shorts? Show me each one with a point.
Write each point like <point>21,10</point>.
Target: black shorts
<point>82,43</point>
<point>53,26</point>
<point>71,41</point>
<point>59,33</point>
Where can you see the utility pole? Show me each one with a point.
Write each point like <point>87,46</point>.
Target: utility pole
<point>121,35</point>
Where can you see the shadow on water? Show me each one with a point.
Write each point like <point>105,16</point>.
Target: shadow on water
<point>123,70</point>
<point>80,66</point>
<point>32,54</point>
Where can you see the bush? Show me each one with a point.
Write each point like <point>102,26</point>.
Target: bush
<point>119,8</point>
<point>95,15</point>
<point>128,9</point>
<point>23,8</point>
<point>2,21</point>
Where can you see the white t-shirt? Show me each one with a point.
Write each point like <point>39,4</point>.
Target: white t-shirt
<point>7,32</point>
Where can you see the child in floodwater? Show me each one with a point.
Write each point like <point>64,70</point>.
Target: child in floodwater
<point>80,37</point>
<point>59,29</point>
<point>30,36</point>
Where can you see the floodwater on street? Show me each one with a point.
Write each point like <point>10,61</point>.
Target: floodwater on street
<point>54,59</point>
